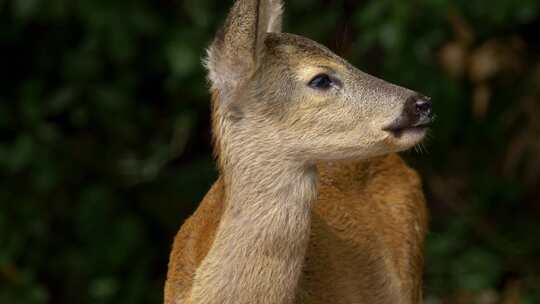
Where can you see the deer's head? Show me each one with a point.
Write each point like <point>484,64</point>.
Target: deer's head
<point>287,94</point>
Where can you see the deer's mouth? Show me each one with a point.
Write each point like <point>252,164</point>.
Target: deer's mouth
<point>399,129</point>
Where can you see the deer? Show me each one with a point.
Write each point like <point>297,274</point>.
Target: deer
<point>312,203</point>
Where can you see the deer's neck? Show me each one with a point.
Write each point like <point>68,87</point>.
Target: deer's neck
<point>259,248</point>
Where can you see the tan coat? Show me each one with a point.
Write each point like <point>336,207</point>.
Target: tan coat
<point>366,242</point>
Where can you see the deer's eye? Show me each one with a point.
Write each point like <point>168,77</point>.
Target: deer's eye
<point>321,82</point>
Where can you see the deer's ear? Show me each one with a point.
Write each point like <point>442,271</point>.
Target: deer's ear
<point>239,45</point>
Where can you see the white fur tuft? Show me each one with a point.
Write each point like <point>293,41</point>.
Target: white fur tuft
<point>276,14</point>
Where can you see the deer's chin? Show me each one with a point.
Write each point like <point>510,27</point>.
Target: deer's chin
<point>407,137</point>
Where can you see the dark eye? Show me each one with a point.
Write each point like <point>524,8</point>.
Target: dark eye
<point>321,82</point>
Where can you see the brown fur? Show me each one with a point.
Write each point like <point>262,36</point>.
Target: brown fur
<point>366,242</point>
<point>306,209</point>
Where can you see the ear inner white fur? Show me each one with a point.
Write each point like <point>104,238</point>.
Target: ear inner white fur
<point>275,20</point>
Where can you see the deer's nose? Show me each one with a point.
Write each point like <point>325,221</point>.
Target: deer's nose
<point>417,113</point>
<point>422,106</point>
<point>417,110</point>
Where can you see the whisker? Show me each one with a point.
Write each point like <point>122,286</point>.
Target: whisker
<point>418,149</point>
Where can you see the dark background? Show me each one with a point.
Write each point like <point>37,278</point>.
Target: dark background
<point>105,139</point>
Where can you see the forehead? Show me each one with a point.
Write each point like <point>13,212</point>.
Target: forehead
<point>302,50</point>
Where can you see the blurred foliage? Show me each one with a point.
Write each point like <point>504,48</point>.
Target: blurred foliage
<point>105,139</point>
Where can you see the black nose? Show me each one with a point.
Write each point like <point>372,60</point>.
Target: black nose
<point>417,113</point>
<point>422,107</point>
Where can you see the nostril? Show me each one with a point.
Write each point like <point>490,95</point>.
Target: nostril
<point>417,113</point>
<point>423,107</point>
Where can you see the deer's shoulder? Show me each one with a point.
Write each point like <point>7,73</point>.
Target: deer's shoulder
<point>368,230</point>
<point>192,243</point>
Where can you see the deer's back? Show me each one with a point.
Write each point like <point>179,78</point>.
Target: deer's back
<point>368,229</point>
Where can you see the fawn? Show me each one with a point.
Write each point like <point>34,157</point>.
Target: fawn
<point>312,205</point>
